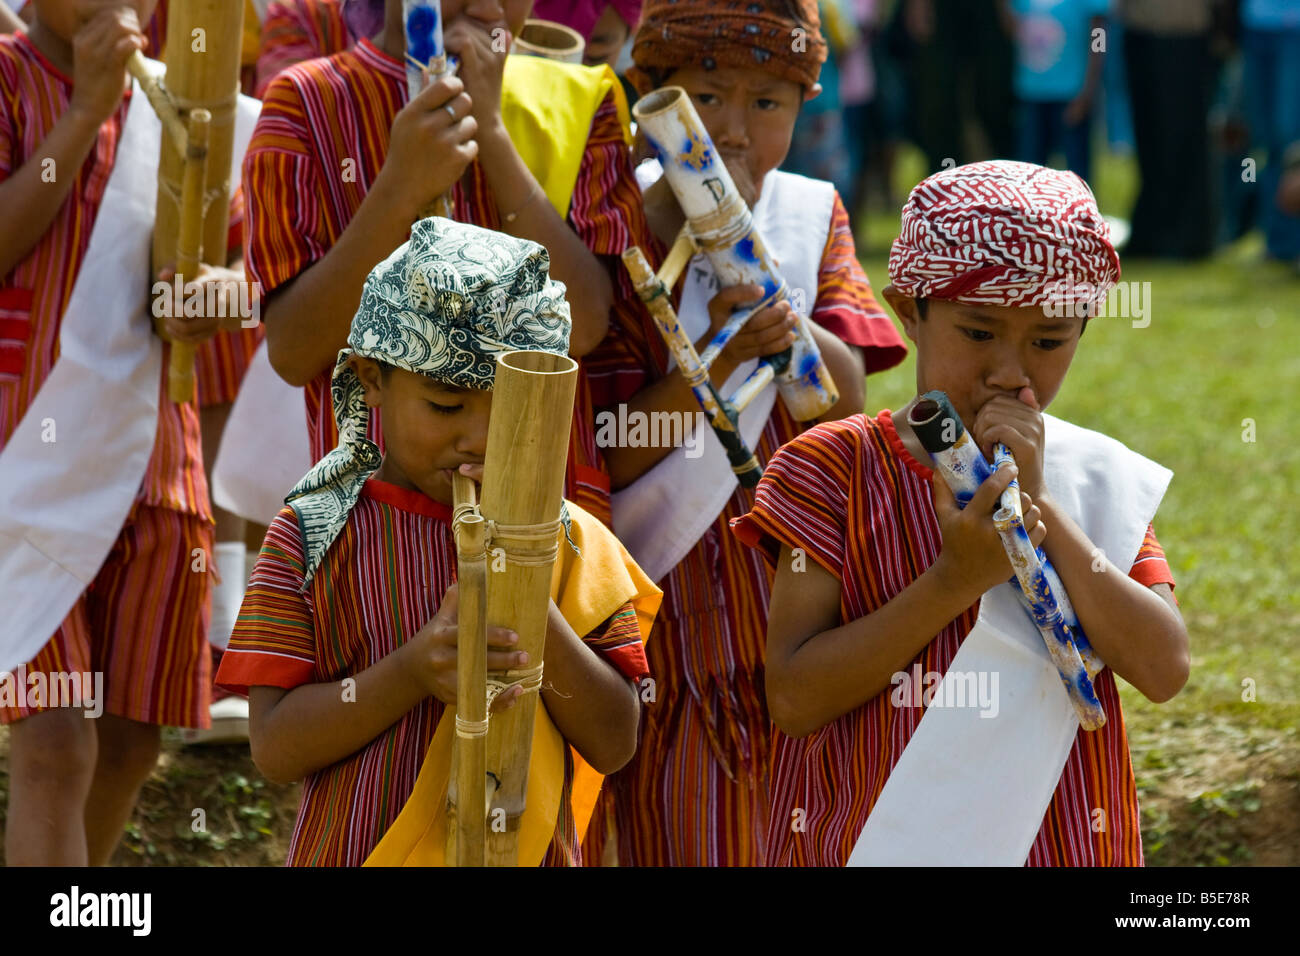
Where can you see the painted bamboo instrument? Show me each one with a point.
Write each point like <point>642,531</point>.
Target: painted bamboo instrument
<point>957,458</point>
<point>552,41</point>
<point>426,62</point>
<point>720,225</point>
<point>516,529</point>
<point>196,101</point>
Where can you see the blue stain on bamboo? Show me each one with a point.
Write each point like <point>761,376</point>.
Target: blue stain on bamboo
<point>941,431</point>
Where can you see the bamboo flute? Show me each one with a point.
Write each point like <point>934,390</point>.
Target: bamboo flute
<point>956,457</point>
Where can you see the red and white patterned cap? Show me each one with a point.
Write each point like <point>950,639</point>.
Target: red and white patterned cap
<point>1006,234</point>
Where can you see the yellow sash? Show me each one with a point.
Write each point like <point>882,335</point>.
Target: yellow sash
<point>547,108</point>
<point>587,590</point>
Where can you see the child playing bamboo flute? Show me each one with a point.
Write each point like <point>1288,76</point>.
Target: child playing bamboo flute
<point>103,501</point>
<point>356,578</point>
<point>696,793</point>
<point>882,581</point>
<point>342,164</point>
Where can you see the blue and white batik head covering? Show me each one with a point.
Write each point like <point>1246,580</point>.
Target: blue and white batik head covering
<point>445,304</point>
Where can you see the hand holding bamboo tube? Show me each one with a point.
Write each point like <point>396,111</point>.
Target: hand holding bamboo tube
<point>956,457</point>
<point>426,62</point>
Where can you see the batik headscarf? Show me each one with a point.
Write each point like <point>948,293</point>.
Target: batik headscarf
<point>444,304</point>
<point>780,37</point>
<point>1006,234</point>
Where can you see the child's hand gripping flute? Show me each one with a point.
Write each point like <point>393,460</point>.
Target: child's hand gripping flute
<point>720,224</point>
<point>957,458</point>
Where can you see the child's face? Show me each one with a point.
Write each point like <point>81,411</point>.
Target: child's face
<point>65,17</point>
<point>430,428</point>
<point>750,116</point>
<point>606,40</point>
<point>976,352</point>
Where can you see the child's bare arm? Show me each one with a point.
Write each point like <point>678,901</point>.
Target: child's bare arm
<point>297,732</point>
<point>1138,631</point>
<point>33,195</point>
<point>818,670</point>
<point>592,704</point>
<point>294,733</point>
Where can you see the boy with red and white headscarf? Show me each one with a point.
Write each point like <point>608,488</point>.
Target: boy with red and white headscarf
<point>696,792</point>
<point>994,273</point>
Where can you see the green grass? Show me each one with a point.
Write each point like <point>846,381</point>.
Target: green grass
<point>1222,347</point>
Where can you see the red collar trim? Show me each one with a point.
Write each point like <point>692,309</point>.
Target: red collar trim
<point>371,54</point>
<point>886,420</point>
<point>406,499</point>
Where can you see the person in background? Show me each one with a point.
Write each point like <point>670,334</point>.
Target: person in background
<point>1167,57</point>
<point>604,24</point>
<point>1060,45</point>
<point>819,148</point>
<point>1271,57</point>
<point>958,55</point>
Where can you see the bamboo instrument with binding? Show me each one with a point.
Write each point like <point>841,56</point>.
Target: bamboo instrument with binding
<point>202,56</point>
<point>957,458</point>
<point>721,225</point>
<point>517,521</point>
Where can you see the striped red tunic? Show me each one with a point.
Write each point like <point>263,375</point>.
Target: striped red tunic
<point>35,293</point>
<point>361,605</point>
<point>330,115</point>
<point>856,474</point>
<point>696,791</point>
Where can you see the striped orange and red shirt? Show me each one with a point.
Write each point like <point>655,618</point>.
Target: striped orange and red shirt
<point>855,500</point>
<point>381,581</point>
<point>298,30</point>
<point>693,793</point>
<point>319,145</point>
<point>34,295</point>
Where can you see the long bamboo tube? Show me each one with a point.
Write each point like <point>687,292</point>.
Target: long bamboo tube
<point>550,40</point>
<point>527,448</point>
<point>467,794</point>
<point>202,55</point>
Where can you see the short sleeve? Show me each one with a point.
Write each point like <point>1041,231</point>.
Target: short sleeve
<point>618,642</point>
<point>845,304</point>
<point>285,223</point>
<point>1150,566</point>
<point>8,132</point>
<point>802,499</point>
<point>274,641</point>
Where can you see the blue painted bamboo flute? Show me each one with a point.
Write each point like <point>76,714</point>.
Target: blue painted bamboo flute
<point>957,458</point>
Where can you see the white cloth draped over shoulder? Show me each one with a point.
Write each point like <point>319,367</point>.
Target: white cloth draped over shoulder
<point>971,790</point>
<point>662,515</point>
<point>73,466</point>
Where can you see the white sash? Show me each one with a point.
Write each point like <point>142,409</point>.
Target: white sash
<point>264,450</point>
<point>63,501</point>
<point>971,790</point>
<point>661,515</point>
